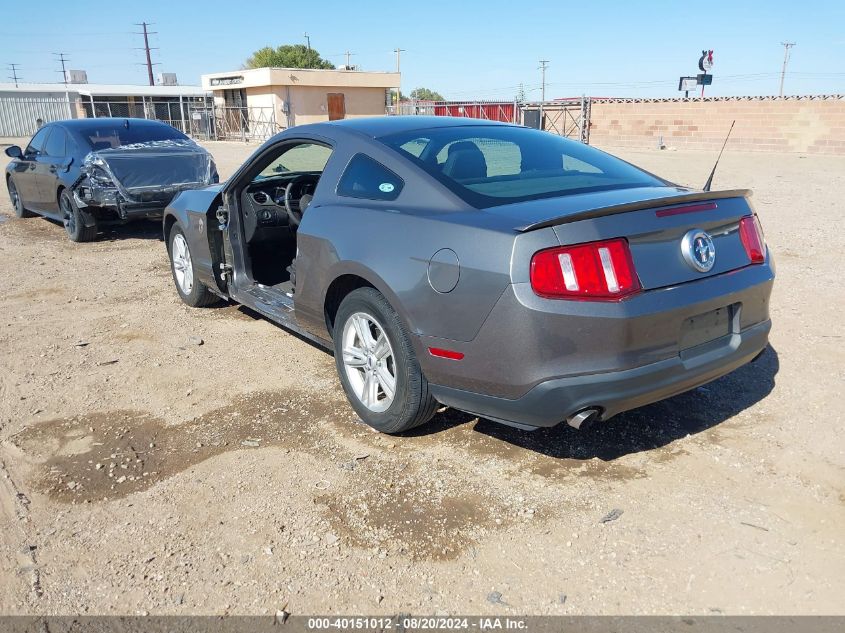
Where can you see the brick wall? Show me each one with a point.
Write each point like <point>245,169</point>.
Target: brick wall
<point>766,124</point>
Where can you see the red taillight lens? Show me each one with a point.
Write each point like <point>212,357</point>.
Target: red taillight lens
<point>751,234</point>
<point>601,271</point>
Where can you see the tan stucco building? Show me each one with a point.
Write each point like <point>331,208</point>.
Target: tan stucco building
<point>296,96</point>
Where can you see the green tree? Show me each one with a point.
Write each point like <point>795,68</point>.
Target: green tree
<point>424,94</point>
<point>287,56</point>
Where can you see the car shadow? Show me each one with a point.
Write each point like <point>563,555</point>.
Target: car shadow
<point>642,429</point>
<point>136,230</point>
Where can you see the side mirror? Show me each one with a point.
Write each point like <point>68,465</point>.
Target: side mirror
<point>13,151</point>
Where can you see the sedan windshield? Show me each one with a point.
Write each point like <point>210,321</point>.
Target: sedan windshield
<point>493,165</point>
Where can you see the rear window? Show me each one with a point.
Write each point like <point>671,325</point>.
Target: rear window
<point>109,136</point>
<point>493,165</point>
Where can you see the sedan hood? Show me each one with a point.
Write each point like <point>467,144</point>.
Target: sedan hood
<point>535,214</point>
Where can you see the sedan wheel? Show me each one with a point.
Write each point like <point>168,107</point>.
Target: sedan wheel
<point>17,202</point>
<point>369,362</point>
<point>377,365</point>
<point>74,221</point>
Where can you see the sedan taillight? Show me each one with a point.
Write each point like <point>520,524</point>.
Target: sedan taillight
<point>751,234</point>
<point>596,271</point>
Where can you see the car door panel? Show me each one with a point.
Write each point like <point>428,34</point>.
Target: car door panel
<point>26,168</point>
<point>50,161</point>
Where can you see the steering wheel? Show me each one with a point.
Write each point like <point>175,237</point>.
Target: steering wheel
<point>295,201</point>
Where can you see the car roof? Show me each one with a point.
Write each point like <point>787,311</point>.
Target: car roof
<point>385,125</point>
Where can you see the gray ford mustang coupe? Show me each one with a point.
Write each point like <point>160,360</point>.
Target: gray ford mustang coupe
<point>503,271</point>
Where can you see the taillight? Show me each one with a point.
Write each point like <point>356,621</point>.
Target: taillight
<point>751,234</point>
<point>601,271</point>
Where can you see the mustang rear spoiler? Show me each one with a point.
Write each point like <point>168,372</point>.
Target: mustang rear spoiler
<point>653,203</point>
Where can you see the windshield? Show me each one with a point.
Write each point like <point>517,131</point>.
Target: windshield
<point>109,136</point>
<point>493,165</point>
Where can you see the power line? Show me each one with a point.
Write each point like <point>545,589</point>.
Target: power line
<point>13,68</point>
<point>786,47</point>
<point>62,59</point>
<point>147,49</point>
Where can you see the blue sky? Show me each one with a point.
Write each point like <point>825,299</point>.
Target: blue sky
<point>462,49</point>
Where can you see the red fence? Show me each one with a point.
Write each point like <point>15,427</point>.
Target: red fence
<point>494,111</point>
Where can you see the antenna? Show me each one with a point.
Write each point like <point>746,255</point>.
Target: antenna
<point>712,173</point>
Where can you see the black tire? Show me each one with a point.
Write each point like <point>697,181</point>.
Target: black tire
<point>412,402</point>
<point>17,202</point>
<point>74,221</point>
<point>195,293</point>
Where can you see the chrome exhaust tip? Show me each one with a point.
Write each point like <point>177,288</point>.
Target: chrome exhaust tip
<point>583,419</point>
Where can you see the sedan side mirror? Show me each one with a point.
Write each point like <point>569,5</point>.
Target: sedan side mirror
<point>13,151</point>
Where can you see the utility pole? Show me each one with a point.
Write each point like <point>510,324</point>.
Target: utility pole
<point>62,59</point>
<point>786,47</point>
<point>14,76</point>
<point>544,63</point>
<point>398,52</point>
<point>147,49</point>
<point>348,55</point>
<point>307,40</point>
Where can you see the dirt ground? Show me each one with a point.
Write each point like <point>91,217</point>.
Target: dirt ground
<point>141,472</point>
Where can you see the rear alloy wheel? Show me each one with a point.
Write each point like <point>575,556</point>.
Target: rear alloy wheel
<point>192,291</point>
<point>377,365</point>
<point>17,202</point>
<point>74,221</point>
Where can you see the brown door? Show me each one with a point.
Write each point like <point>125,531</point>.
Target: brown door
<point>337,106</point>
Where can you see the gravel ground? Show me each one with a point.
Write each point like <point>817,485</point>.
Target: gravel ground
<point>143,472</point>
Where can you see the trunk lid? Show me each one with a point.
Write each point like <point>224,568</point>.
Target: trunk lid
<point>147,171</point>
<point>653,220</point>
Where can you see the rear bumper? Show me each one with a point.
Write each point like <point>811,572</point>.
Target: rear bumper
<point>553,401</point>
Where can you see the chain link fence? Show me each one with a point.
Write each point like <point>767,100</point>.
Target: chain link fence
<point>198,117</point>
<point>565,117</point>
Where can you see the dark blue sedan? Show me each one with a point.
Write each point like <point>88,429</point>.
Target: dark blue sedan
<point>89,172</point>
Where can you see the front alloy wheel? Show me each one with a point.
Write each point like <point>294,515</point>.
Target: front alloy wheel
<point>183,270</point>
<point>192,291</point>
<point>17,202</point>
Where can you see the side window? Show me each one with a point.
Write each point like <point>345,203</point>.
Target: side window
<point>300,158</point>
<point>37,143</point>
<point>57,143</point>
<point>367,178</point>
